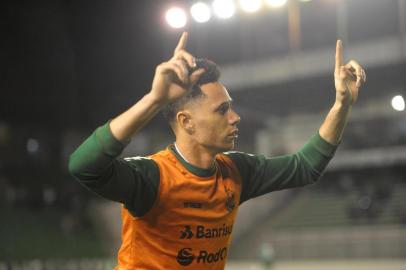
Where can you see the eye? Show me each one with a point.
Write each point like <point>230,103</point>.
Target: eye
<point>223,108</point>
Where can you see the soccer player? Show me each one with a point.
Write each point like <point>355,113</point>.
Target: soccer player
<point>179,205</point>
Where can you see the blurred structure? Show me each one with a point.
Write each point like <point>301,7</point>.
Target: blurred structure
<point>357,211</point>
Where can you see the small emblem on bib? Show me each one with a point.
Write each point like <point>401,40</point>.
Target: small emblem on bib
<point>230,201</point>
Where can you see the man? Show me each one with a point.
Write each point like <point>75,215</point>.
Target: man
<point>179,205</point>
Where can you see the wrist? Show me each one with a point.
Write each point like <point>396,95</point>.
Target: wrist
<point>343,101</point>
<point>155,101</point>
<point>341,105</point>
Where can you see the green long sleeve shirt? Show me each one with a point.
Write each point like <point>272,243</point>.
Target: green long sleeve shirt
<point>134,181</point>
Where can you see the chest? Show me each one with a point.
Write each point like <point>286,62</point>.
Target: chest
<point>184,196</point>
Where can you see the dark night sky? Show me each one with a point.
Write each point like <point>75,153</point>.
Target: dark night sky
<point>78,63</point>
<point>75,62</point>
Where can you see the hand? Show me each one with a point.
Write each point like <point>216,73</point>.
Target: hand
<point>172,79</point>
<point>348,79</point>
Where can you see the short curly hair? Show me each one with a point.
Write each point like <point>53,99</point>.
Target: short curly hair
<point>211,74</point>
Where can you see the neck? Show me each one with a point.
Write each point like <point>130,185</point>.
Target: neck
<point>195,155</point>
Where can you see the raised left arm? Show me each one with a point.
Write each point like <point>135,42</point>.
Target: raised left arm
<point>348,79</point>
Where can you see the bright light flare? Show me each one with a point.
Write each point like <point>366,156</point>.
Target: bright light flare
<point>200,12</point>
<point>250,6</point>
<point>275,3</point>
<point>176,17</point>
<point>398,103</point>
<point>224,9</point>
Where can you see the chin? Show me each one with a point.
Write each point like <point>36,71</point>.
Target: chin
<point>224,147</point>
<point>228,147</point>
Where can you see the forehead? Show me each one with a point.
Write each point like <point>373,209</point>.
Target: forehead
<point>215,93</point>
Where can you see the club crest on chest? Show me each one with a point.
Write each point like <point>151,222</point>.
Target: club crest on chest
<point>230,201</point>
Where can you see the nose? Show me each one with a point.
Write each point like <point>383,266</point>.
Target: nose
<point>234,118</point>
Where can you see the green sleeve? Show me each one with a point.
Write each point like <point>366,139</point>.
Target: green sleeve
<point>131,181</point>
<point>261,175</point>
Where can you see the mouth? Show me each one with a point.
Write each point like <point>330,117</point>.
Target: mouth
<point>234,134</point>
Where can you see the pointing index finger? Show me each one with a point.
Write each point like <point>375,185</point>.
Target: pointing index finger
<point>182,42</point>
<point>339,55</point>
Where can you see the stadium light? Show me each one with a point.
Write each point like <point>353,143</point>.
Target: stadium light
<point>275,3</point>
<point>398,103</point>
<point>32,146</point>
<point>200,12</point>
<point>224,9</point>
<point>250,6</point>
<point>176,17</point>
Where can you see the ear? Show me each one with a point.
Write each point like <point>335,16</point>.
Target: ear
<point>185,121</point>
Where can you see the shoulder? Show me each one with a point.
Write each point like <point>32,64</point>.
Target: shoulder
<point>138,160</point>
<point>143,164</point>
<point>240,161</point>
<point>150,159</point>
<point>242,158</point>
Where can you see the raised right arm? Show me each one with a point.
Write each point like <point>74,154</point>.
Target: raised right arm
<point>132,182</point>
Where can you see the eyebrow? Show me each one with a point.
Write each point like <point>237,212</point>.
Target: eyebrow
<point>225,103</point>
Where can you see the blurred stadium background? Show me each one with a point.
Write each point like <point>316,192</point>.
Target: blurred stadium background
<point>69,66</point>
